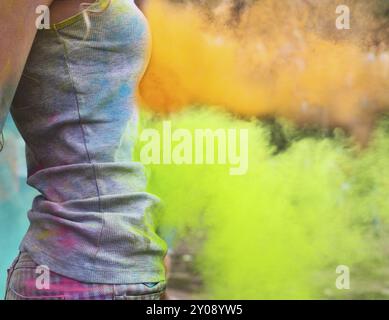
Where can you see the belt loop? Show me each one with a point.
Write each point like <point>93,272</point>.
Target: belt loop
<point>10,271</point>
<point>16,260</point>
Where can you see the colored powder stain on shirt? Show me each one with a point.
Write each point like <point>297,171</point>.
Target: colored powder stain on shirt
<point>45,234</point>
<point>65,237</point>
<point>125,91</point>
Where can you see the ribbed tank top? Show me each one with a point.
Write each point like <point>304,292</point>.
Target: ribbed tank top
<point>75,107</point>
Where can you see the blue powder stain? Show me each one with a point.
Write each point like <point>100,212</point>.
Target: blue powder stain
<point>124,91</point>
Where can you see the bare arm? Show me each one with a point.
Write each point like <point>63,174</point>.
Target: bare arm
<point>17,25</point>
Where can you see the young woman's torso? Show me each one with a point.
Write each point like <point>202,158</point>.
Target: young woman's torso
<point>76,109</point>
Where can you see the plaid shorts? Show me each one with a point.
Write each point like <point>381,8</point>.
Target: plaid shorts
<point>29,281</point>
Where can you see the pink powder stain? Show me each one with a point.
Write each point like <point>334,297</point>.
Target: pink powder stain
<point>66,285</point>
<point>76,287</point>
<point>38,168</point>
<point>52,194</point>
<point>53,119</point>
<point>66,238</point>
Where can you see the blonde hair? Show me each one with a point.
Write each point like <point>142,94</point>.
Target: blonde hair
<point>88,8</point>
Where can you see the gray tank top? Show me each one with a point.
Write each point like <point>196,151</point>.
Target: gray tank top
<point>75,108</point>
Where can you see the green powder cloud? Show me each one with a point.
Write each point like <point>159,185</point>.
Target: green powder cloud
<point>281,230</point>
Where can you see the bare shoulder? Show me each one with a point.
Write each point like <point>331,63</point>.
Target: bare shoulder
<point>141,3</point>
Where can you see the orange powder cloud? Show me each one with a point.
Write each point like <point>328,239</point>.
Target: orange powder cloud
<point>280,60</point>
